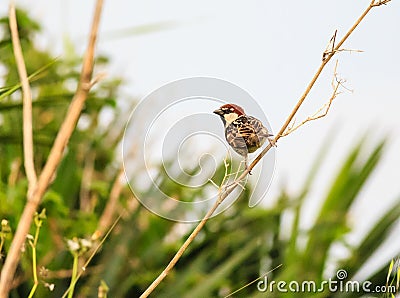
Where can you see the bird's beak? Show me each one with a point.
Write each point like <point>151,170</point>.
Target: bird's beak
<point>218,112</point>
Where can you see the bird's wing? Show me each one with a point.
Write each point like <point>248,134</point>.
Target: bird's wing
<point>257,128</point>
<point>246,133</point>
<point>235,137</point>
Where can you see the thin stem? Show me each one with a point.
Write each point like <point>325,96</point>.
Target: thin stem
<point>54,158</point>
<point>27,102</point>
<point>182,249</point>
<point>322,111</point>
<point>33,290</point>
<point>310,86</point>
<point>34,256</point>
<point>32,77</point>
<point>229,189</point>
<point>35,278</point>
<point>74,276</point>
<point>94,251</point>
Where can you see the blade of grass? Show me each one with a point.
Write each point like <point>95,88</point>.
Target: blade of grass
<point>7,91</point>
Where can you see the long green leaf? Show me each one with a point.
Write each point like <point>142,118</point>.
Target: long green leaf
<point>373,239</point>
<point>7,91</point>
<point>331,224</point>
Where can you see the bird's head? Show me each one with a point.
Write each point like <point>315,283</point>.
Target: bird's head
<point>229,113</point>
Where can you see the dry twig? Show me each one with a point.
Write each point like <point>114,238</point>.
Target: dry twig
<point>26,102</point>
<point>322,111</point>
<point>379,3</point>
<point>331,48</point>
<point>286,124</point>
<point>54,158</point>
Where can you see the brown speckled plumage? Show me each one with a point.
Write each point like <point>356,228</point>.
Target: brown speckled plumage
<point>245,134</point>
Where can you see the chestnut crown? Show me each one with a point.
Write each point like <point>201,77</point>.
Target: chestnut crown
<point>229,112</point>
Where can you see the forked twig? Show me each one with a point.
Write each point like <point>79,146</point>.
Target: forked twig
<point>322,111</point>
<point>379,3</point>
<point>224,183</point>
<point>54,158</point>
<point>331,48</point>
<point>229,190</point>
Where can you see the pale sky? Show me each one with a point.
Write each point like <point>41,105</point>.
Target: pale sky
<point>271,49</point>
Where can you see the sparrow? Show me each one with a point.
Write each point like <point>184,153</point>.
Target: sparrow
<point>244,133</point>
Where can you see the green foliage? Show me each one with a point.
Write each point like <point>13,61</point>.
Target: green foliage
<point>70,204</point>
<point>234,248</point>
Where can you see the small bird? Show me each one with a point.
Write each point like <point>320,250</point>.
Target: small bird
<point>244,133</point>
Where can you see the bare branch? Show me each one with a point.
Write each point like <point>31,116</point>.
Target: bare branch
<point>54,158</point>
<point>331,45</point>
<point>184,246</point>
<point>97,79</point>
<point>322,111</point>
<point>379,3</point>
<point>228,190</point>
<point>349,50</point>
<point>330,49</point>
<point>26,100</point>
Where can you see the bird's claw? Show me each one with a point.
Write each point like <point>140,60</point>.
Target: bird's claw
<point>272,142</point>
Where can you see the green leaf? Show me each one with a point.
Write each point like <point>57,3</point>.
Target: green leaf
<point>373,239</point>
<point>331,222</point>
